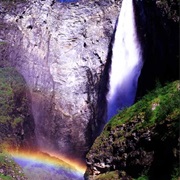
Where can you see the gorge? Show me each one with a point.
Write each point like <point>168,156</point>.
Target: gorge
<point>66,54</point>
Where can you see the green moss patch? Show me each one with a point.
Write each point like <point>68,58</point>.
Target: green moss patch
<point>13,107</point>
<point>108,176</point>
<point>3,177</point>
<point>12,100</point>
<point>9,170</point>
<point>158,105</point>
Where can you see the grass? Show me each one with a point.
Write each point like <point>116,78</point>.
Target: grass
<point>4,177</point>
<point>165,100</point>
<point>142,178</point>
<point>108,176</point>
<point>9,169</point>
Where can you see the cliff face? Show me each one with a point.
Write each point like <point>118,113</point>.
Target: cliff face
<point>16,121</point>
<point>141,141</point>
<point>137,144</point>
<point>9,169</point>
<point>158,29</point>
<point>61,50</point>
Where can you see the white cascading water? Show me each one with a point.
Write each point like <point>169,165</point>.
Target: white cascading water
<point>126,62</point>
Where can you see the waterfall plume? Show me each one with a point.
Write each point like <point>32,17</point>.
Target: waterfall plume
<point>126,62</point>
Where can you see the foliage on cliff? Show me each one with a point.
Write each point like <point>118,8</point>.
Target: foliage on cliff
<point>141,142</point>
<point>9,170</point>
<point>158,105</point>
<point>13,108</point>
<point>13,119</point>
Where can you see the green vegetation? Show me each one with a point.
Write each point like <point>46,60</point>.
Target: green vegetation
<point>12,101</point>
<point>2,42</point>
<point>161,104</point>
<point>3,177</point>
<point>140,132</point>
<point>108,176</point>
<point>157,106</point>
<point>9,170</point>
<point>176,173</point>
<point>142,178</point>
<point>13,110</point>
<point>13,106</point>
<point>14,113</point>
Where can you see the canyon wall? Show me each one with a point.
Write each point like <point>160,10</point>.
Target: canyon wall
<point>16,121</point>
<point>141,142</point>
<point>114,154</point>
<point>158,28</point>
<point>61,51</point>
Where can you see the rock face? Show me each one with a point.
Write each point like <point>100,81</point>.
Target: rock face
<point>127,148</point>
<point>158,28</point>
<point>16,121</point>
<point>9,169</point>
<point>61,51</point>
<point>141,140</point>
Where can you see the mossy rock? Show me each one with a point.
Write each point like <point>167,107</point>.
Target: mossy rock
<point>155,107</point>
<point>108,176</point>
<point>13,107</point>
<point>141,138</point>
<point>14,113</point>
<point>9,170</point>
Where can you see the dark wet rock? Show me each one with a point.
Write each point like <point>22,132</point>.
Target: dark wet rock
<point>140,140</point>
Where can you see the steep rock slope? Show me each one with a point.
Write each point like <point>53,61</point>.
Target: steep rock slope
<point>158,29</point>
<point>16,122</point>
<point>142,140</point>
<point>116,150</point>
<point>61,50</point>
<point>9,170</point>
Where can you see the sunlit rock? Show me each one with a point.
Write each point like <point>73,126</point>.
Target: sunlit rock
<point>61,50</point>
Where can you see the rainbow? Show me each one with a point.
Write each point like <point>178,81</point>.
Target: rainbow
<point>49,159</point>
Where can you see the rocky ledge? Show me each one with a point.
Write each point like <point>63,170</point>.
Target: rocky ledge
<point>141,141</point>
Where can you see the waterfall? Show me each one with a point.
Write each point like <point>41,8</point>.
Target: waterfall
<point>126,62</point>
